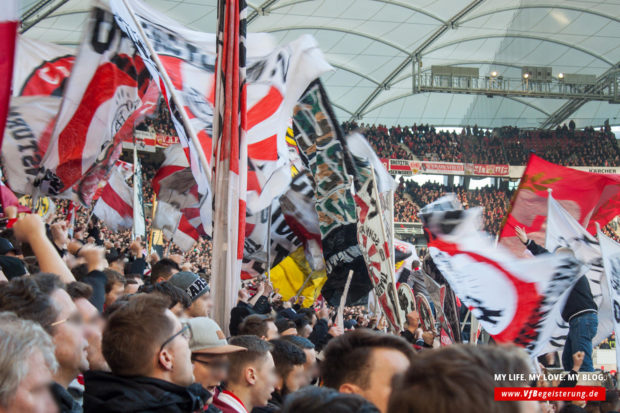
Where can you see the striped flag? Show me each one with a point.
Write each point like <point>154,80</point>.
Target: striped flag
<point>230,161</point>
<point>115,206</point>
<point>139,226</point>
<point>8,36</point>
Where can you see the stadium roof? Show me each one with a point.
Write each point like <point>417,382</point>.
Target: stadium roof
<point>374,44</point>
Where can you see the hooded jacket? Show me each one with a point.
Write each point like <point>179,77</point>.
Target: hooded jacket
<point>105,392</point>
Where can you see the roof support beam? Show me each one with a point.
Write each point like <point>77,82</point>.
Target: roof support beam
<point>520,36</point>
<point>260,10</point>
<point>414,55</point>
<point>338,29</point>
<point>542,6</point>
<point>355,72</point>
<point>38,12</point>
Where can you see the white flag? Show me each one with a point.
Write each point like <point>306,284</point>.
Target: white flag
<point>564,231</point>
<point>611,261</point>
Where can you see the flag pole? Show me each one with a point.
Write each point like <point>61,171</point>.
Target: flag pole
<point>269,246</point>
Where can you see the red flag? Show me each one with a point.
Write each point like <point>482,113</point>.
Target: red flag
<point>8,36</point>
<point>588,197</point>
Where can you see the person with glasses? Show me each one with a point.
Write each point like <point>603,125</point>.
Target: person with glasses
<point>210,352</point>
<point>43,298</point>
<point>147,349</point>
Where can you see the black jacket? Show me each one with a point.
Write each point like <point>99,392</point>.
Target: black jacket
<point>105,392</point>
<point>64,401</point>
<point>580,298</point>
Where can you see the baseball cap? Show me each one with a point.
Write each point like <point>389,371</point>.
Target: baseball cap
<point>191,283</point>
<point>6,246</point>
<point>208,338</point>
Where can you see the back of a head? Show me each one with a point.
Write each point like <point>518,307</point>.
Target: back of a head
<point>457,375</point>
<point>257,350</point>
<point>29,298</point>
<point>112,277</point>
<point>174,294</point>
<point>19,338</point>
<point>163,269</point>
<point>255,325</point>
<point>78,289</point>
<point>347,358</point>
<point>572,408</point>
<point>134,333</point>
<point>286,356</point>
<point>301,342</point>
<point>324,400</point>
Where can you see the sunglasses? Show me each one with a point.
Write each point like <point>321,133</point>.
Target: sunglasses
<point>221,365</point>
<point>185,332</point>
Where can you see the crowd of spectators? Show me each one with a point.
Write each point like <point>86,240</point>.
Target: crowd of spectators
<point>507,145</point>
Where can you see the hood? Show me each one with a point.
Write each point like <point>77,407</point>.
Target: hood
<point>105,392</point>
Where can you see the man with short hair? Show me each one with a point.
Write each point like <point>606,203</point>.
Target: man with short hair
<point>27,362</point>
<point>163,269</point>
<point>209,353</point>
<point>114,286</point>
<point>80,293</point>
<point>179,301</point>
<point>259,325</point>
<point>147,350</point>
<point>364,362</point>
<point>42,298</point>
<point>251,377</point>
<point>289,361</point>
<point>310,367</point>
<point>198,291</point>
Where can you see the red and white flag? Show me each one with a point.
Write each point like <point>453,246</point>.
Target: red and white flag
<point>515,300</point>
<point>41,68</point>
<point>8,34</point>
<point>106,85</point>
<point>115,206</point>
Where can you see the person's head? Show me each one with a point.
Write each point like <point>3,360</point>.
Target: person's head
<point>42,298</point>
<point>209,352</point>
<point>259,325</point>
<point>198,291</point>
<point>457,375</point>
<point>144,338</point>
<point>132,283</point>
<point>286,327</point>
<point>289,360</point>
<point>325,400</point>
<point>178,300</point>
<point>80,293</point>
<point>163,269</point>
<point>27,362</point>
<point>364,362</point>
<point>251,376</point>
<point>114,286</point>
<point>310,367</point>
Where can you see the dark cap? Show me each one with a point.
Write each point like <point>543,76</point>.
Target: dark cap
<point>191,283</point>
<point>6,246</point>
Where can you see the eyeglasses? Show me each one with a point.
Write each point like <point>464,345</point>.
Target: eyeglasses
<point>75,319</point>
<point>221,365</point>
<point>185,332</point>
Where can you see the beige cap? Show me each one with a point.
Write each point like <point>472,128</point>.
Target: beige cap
<point>208,338</point>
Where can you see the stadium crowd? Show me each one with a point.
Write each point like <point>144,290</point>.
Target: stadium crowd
<point>505,146</point>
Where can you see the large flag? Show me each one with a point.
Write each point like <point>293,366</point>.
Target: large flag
<point>105,88</point>
<point>374,243</point>
<point>611,261</point>
<point>324,152</point>
<point>41,68</point>
<point>564,231</point>
<point>115,206</point>
<point>589,197</point>
<point>515,300</point>
<point>298,203</point>
<point>139,226</point>
<point>8,37</point>
<point>26,137</point>
<point>183,61</point>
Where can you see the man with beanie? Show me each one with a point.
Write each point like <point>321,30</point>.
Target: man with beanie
<point>197,289</point>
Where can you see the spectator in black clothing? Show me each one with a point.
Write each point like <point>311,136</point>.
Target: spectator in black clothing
<point>580,312</point>
<point>258,304</point>
<point>289,361</point>
<point>147,348</point>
